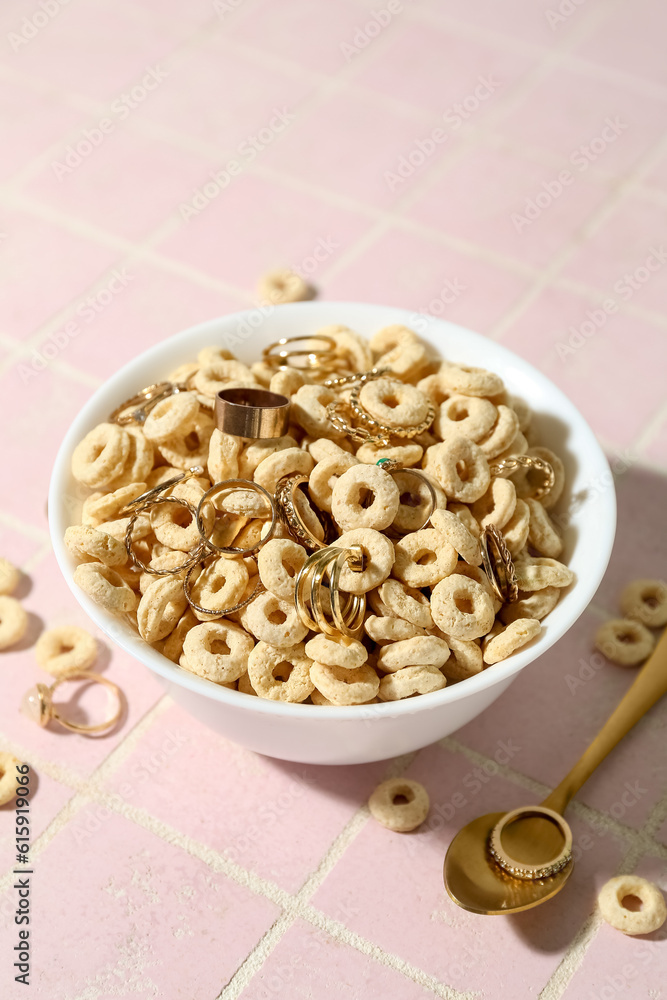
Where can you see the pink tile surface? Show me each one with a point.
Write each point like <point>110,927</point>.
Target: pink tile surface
<point>46,798</point>
<point>132,902</point>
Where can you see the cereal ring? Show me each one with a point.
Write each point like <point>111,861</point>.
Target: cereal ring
<point>646,601</point>
<point>535,605</point>
<point>648,918</point>
<point>497,505</point>
<point>281,463</point>
<point>219,586</point>
<point>511,638</point>
<point>542,534</point>
<point>393,403</point>
<point>280,674</point>
<point>352,348</point>
<point>138,463</point>
<point>502,434</point>
<point>523,412</point>
<point>460,467</point>
<point>519,446</point>
<point>461,607</point>
<point>390,337</point>
<point>399,804</point>
<point>191,450</point>
<point>625,641</point>
<point>415,500</point>
<point>283,285</point>
<point>91,545</point>
<point>406,452</point>
<point>323,448</point>
<point>536,573</point>
<point>99,507</point>
<point>273,621</point>
<point>383,629</point>
<point>436,390</point>
<point>256,451</point>
<point>106,587</point>
<point>65,650</point>
<point>244,685</point>
<point>325,475</point>
<point>469,381</point>
<point>101,455</point>
<point>415,652</point>
<point>9,577</point>
<point>278,563</point>
<point>423,558</point>
<point>13,621</point>
<point>160,475</point>
<point>218,651</point>
<point>118,528</point>
<point>211,353</point>
<point>515,532</point>
<point>309,409</point>
<point>464,514</point>
<point>345,686</point>
<point>365,496</point>
<point>160,608</point>
<point>172,647</point>
<point>378,556</point>
<point>410,681</point>
<point>471,416</point>
<point>218,374</point>
<point>174,415</point>
<point>176,526</point>
<point>8,775</point>
<point>343,652</point>
<point>405,602</point>
<point>462,540</point>
<point>223,456</point>
<point>402,352</point>
<point>465,659</point>
<point>533,478</point>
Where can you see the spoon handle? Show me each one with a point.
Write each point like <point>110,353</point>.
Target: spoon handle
<point>648,687</point>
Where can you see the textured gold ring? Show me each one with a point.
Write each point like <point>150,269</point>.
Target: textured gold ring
<point>335,413</point>
<point>314,357</point>
<point>516,462</point>
<point>347,614</point>
<point>289,513</point>
<point>191,557</point>
<point>143,402</point>
<point>499,565</point>
<point>229,486</point>
<point>211,612</point>
<point>375,425</point>
<point>156,491</point>
<point>360,377</point>
<point>526,871</point>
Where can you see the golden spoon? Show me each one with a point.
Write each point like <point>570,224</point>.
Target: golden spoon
<point>535,838</point>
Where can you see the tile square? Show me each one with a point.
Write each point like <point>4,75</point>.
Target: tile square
<point>31,122</point>
<point>274,817</point>
<point>44,267</point>
<point>628,41</point>
<point>255,225</point>
<point>492,198</point>
<point>406,269</point>
<point>156,921</point>
<point>595,356</point>
<point>525,20</point>
<point>499,958</point>
<point>627,256</point>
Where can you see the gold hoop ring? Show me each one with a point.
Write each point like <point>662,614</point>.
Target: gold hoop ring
<point>499,565</point>
<point>360,377</point>
<point>362,434</point>
<point>392,466</point>
<point>214,612</point>
<point>38,704</point>
<point>315,357</point>
<point>156,491</point>
<point>347,618</point>
<point>289,513</point>
<point>192,556</point>
<point>375,425</point>
<point>144,401</point>
<point>229,485</point>
<point>252,413</point>
<point>527,871</point>
<point>516,462</point>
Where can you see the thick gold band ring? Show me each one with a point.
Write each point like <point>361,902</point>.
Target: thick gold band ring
<point>252,413</point>
<point>499,565</point>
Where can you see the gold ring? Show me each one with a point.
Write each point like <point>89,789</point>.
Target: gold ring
<point>360,377</point>
<point>230,485</point>
<point>362,434</point>
<point>289,514</point>
<point>144,401</point>
<point>38,704</point>
<point>526,871</point>
<point>499,565</point>
<point>392,466</point>
<point>314,357</point>
<point>155,491</point>
<point>211,612</point>
<point>192,556</point>
<point>347,618</point>
<point>252,413</point>
<point>375,425</point>
<point>516,462</point>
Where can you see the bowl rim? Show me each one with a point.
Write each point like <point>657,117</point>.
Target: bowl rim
<point>135,646</point>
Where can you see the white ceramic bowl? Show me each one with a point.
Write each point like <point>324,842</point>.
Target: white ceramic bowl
<point>310,733</point>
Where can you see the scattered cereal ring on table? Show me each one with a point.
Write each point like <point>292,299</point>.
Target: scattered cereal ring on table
<point>13,621</point>
<point>648,918</point>
<point>283,285</point>
<point>9,577</point>
<point>646,601</point>
<point>65,650</point>
<point>8,784</point>
<point>400,804</point>
<point>625,641</point>
<point>326,474</point>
